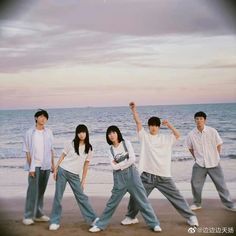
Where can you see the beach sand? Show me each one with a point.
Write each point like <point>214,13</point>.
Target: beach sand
<point>13,180</point>
<point>212,217</point>
<point>13,186</point>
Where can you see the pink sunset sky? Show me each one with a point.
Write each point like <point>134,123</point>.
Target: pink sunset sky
<point>72,53</point>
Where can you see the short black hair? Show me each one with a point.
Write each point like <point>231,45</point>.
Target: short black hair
<point>154,121</point>
<point>113,128</point>
<point>41,112</point>
<point>200,114</point>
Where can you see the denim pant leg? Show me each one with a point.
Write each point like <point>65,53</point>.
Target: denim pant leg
<point>198,178</point>
<point>60,188</point>
<point>217,177</point>
<point>118,192</point>
<point>136,189</point>
<point>86,209</point>
<point>168,188</point>
<point>133,207</point>
<point>32,195</point>
<point>43,181</point>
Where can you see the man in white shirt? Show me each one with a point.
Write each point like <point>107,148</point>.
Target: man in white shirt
<point>155,164</point>
<point>204,143</point>
<point>38,146</point>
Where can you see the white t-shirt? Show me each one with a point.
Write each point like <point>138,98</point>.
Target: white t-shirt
<point>39,147</point>
<point>204,145</point>
<point>119,150</point>
<point>73,162</point>
<point>156,150</point>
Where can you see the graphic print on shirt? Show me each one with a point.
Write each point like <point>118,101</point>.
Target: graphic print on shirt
<point>120,156</point>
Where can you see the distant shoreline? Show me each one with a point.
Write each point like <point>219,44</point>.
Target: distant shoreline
<point>118,106</point>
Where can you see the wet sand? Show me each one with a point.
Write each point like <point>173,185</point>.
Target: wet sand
<point>211,218</point>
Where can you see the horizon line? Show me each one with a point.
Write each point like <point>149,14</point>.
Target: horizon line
<point>118,106</point>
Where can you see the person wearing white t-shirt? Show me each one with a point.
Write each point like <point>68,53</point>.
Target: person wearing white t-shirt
<point>155,165</point>
<point>72,164</point>
<point>38,146</point>
<point>204,143</point>
<point>126,179</point>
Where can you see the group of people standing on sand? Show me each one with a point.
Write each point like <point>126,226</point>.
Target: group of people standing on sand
<point>203,142</point>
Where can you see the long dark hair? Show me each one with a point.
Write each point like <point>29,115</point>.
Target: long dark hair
<point>79,129</point>
<point>113,128</point>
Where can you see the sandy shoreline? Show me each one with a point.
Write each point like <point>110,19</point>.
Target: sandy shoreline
<point>13,186</point>
<point>212,217</point>
<point>13,181</point>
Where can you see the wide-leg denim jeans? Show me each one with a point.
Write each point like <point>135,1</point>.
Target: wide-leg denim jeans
<point>86,209</point>
<point>128,180</point>
<point>35,193</point>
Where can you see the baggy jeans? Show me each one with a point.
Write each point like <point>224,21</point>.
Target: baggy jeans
<point>35,193</point>
<point>128,180</point>
<point>216,174</point>
<point>86,209</point>
<point>168,188</point>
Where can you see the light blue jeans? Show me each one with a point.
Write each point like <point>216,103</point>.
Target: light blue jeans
<point>128,180</point>
<point>35,193</point>
<point>63,177</point>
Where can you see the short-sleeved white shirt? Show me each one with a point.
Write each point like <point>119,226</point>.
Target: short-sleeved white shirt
<point>73,162</point>
<point>204,145</point>
<point>156,150</point>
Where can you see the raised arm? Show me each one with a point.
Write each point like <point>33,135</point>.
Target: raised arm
<point>175,132</point>
<point>137,120</point>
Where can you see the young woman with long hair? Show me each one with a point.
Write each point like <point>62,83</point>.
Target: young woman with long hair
<point>73,163</point>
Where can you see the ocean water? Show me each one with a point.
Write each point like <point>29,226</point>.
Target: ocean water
<point>63,122</point>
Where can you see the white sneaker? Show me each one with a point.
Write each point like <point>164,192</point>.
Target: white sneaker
<point>129,221</point>
<point>192,221</point>
<point>42,219</point>
<point>95,221</point>
<point>28,221</point>
<point>157,228</point>
<point>54,227</point>
<point>233,208</point>
<point>94,229</point>
<point>195,207</point>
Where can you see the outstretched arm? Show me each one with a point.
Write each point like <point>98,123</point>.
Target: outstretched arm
<point>137,120</point>
<point>175,132</point>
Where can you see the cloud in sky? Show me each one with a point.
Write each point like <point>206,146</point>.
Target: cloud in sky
<point>86,49</point>
<point>55,32</point>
